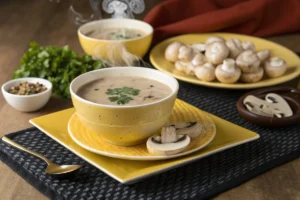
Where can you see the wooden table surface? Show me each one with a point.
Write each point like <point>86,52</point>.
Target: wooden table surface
<point>47,23</point>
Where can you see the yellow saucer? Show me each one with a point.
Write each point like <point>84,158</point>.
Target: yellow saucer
<point>181,112</point>
<point>55,125</point>
<point>158,60</point>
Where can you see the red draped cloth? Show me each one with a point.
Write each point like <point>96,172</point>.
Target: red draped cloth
<point>252,17</point>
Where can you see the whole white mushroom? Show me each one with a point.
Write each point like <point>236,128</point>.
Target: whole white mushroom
<point>253,77</point>
<point>216,52</point>
<point>263,55</point>
<point>205,72</point>
<point>248,61</point>
<point>186,53</point>
<point>172,51</point>
<point>214,39</point>
<point>275,67</point>
<point>228,72</point>
<point>235,47</point>
<point>248,45</point>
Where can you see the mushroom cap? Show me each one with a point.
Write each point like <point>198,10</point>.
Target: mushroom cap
<point>198,47</point>
<point>228,72</point>
<point>205,72</point>
<point>199,59</point>
<point>263,55</point>
<point>186,53</point>
<point>275,67</point>
<point>167,148</point>
<point>216,52</point>
<point>235,47</point>
<point>248,61</point>
<point>180,66</point>
<point>190,69</point>
<point>253,77</point>
<point>172,51</point>
<point>214,39</point>
<point>248,45</point>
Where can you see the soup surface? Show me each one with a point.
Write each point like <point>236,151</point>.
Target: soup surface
<point>115,34</point>
<point>124,91</point>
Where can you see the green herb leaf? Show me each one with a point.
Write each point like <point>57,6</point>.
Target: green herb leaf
<point>58,65</point>
<point>96,89</point>
<point>121,94</point>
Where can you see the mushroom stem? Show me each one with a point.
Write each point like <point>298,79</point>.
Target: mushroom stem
<point>228,65</point>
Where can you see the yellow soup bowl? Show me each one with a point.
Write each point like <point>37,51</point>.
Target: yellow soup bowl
<point>123,124</point>
<point>105,49</point>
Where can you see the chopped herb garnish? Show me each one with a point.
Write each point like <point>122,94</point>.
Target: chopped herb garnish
<point>121,94</point>
<point>151,85</point>
<point>138,35</point>
<point>96,89</point>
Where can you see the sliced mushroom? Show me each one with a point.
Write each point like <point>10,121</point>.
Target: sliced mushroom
<point>192,129</point>
<point>216,52</point>
<point>172,51</point>
<point>199,59</point>
<point>273,106</point>
<point>205,72</point>
<point>228,72</point>
<point>198,47</point>
<point>180,66</point>
<point>214,39</point>
<point>263,55</point>
<point>186,53</point>
<point>275,67</point>
<point>253,77</point>
<point>248,45</point>
<point>168,134</point>
<point>248,61</point>
<point>235,47</point>
<point>155,146</point>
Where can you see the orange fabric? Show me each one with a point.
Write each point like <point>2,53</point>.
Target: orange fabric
<point>252,17</point>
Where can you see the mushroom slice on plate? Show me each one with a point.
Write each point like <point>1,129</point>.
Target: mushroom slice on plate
<point>168,134</point>
<point>156,147</point>
<point>172,51</point>
<point>253,77</point>
<point>263,55</point>
<point>205,72</point>
<point>192,129</point>
<point>216,52</point>
<point>214,39</point>
<point>228,72</point>
<point>275,67</point>
<point>248,61</point>
<point>248,45</point>
<point>235,47</point>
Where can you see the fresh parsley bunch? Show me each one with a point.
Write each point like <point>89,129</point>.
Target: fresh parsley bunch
<point>59,65</point>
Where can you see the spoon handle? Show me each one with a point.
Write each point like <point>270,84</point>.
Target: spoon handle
<point>12,143</point>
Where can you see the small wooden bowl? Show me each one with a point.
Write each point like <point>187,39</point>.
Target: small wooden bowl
<point>291,95</point>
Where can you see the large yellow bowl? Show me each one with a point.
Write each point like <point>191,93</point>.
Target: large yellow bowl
<point>101,49</point>
<point>124,125</point>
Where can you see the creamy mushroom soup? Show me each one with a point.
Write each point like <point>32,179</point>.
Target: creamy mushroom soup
<point>115,34</point>
<point>124,91</point>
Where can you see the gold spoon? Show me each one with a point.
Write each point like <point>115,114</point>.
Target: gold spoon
<point>52,169</point>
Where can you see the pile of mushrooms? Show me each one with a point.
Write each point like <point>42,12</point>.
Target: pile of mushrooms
<point>228,61</point>
<point>174,138</point>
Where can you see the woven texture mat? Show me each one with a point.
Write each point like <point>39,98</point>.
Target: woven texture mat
<point>199,180</point>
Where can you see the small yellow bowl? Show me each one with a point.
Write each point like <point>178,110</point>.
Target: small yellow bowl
<point>124,125</point>
<point>98,48</point>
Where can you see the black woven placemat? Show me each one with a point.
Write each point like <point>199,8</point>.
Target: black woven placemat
<point>199,180</point>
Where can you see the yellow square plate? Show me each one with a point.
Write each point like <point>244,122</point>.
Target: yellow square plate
<point>55,125</point>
